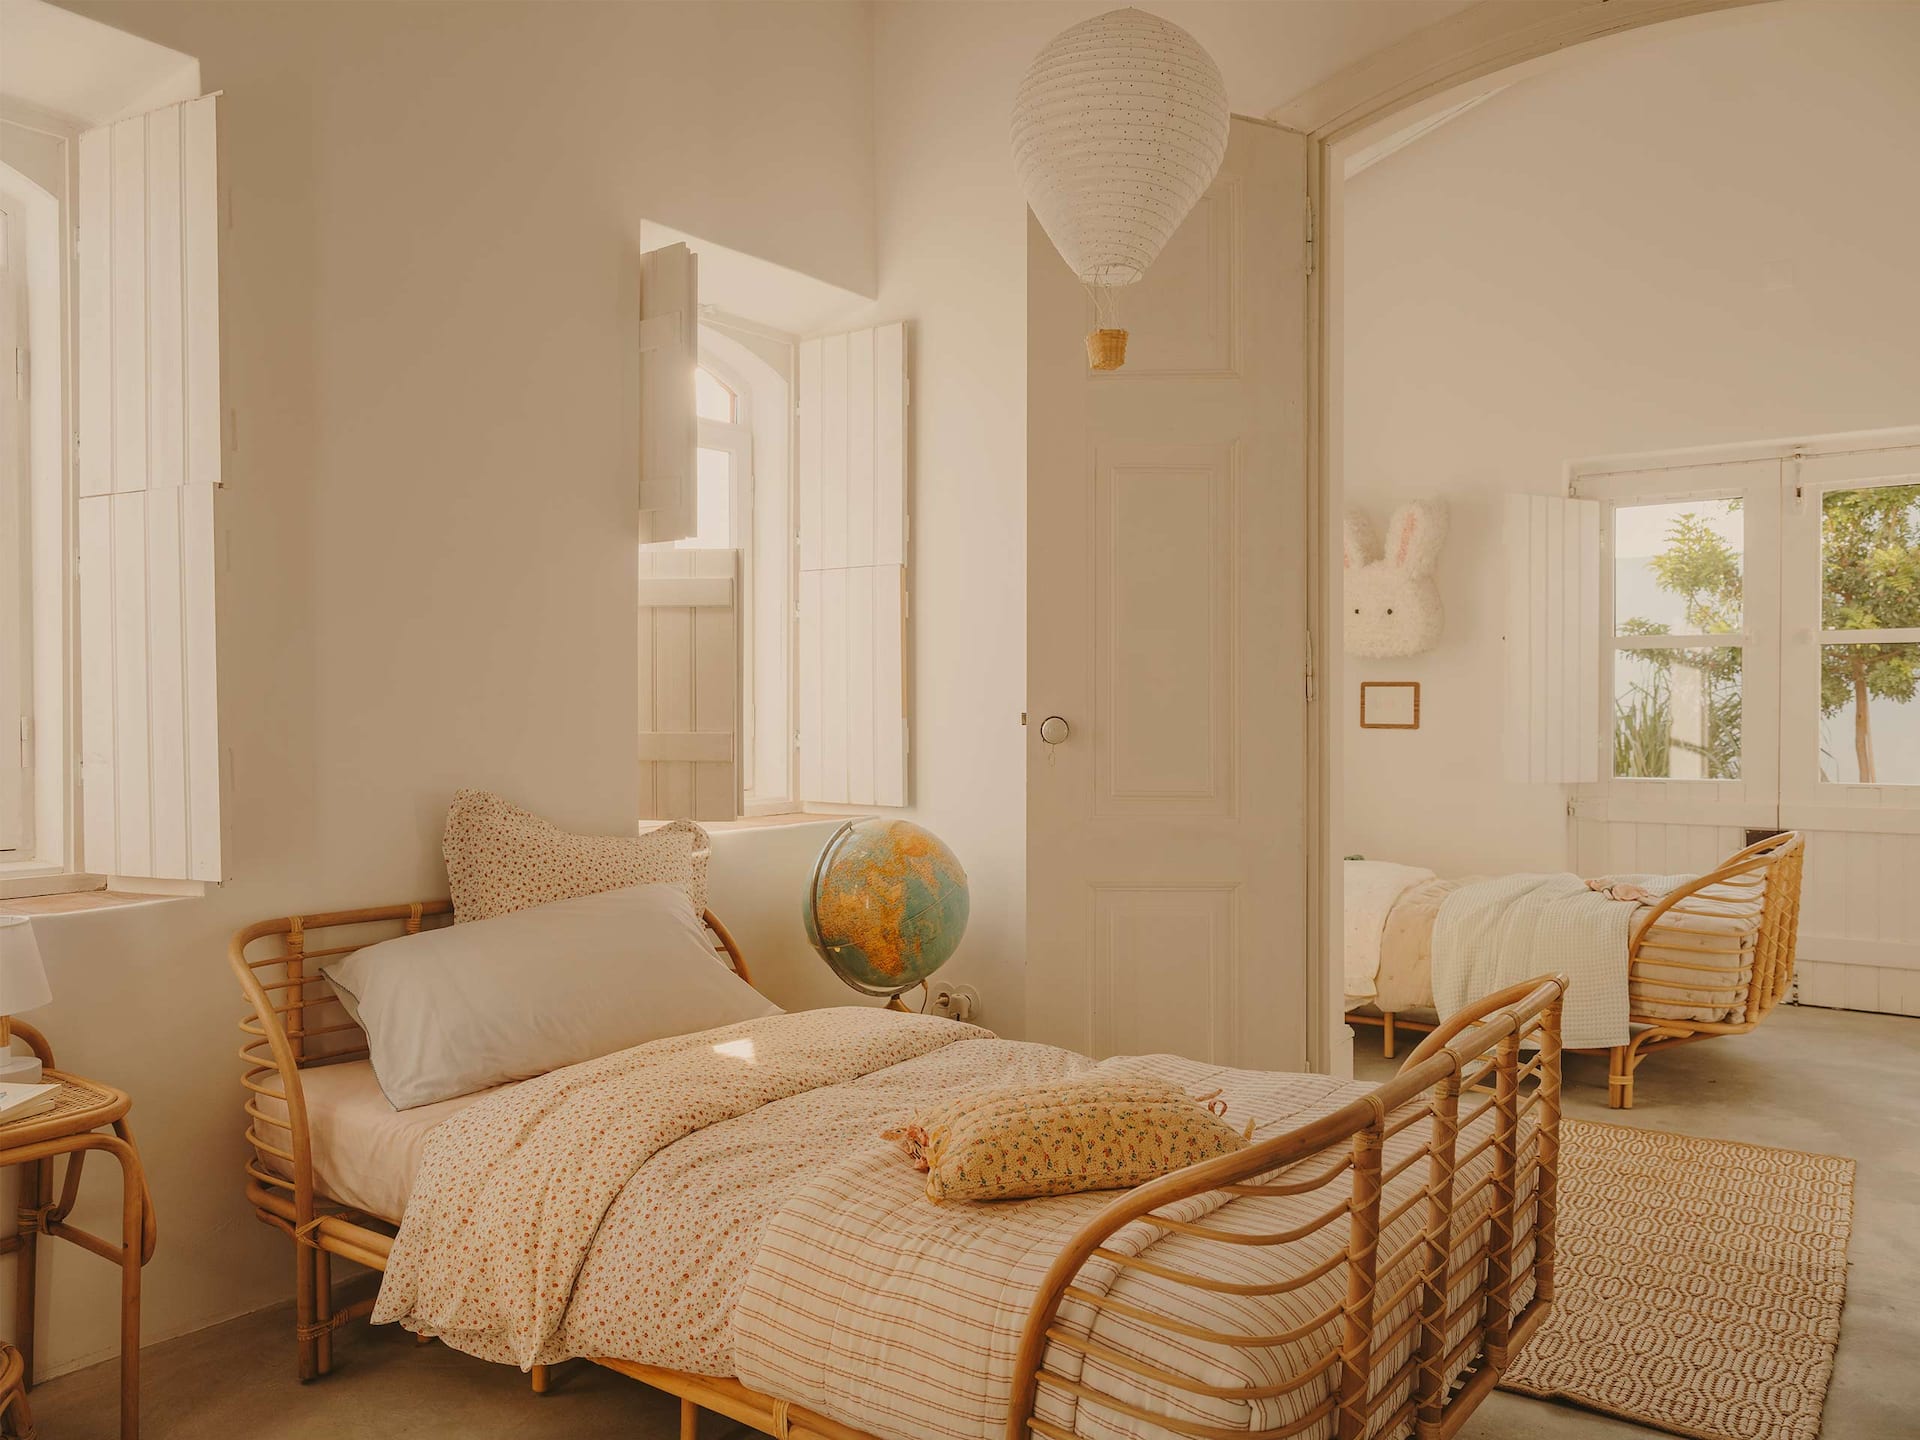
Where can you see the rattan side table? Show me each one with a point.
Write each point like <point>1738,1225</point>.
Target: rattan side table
<point>86,1116</point>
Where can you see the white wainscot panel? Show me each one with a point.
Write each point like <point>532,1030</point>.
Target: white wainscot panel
<point>1161,977</point>
<point>1180,318</point>
<point>1164,621</point>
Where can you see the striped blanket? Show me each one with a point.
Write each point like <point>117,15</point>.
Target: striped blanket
<point>623,1209</point>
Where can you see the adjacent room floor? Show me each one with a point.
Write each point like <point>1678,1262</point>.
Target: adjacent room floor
<point>1820,1080</point>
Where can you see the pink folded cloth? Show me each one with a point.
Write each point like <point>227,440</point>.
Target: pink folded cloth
<point>1621,891</point>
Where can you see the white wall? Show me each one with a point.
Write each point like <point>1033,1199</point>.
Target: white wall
<point>430,302</point>
<point>1703,236</point>
<point>430,290</point>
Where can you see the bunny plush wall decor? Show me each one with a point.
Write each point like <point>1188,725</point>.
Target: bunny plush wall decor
<point>1392,603</point>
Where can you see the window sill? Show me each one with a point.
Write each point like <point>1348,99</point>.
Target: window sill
<point>75,901</point>
<point>30,887</point>
<point>774,822</point>
<point>23,878</point>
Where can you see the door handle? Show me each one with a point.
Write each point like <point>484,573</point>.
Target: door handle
<point>1054,730</point>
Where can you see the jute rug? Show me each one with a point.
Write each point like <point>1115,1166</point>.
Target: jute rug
<point>1698,1284</point>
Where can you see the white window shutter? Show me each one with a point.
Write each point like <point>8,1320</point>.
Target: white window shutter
<point>689,684</point>
<point>669,432</point>
<point>149,420</point>
<point>853,570</point>
<point>1553,634</point>
<point>16,633</point>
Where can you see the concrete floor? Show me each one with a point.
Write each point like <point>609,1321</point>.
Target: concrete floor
<point>1818,1080</point>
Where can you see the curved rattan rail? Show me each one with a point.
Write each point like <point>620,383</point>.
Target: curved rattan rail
<point>1504,1221</point>
<point>1760,977</point>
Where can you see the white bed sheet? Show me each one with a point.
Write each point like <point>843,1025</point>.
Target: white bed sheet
<point>365,1152</point>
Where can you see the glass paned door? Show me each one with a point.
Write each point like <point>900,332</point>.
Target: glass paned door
<point>1678,604</point>
<point>1690,614</point>
<point>1870,585</point>
<point>1851,570</point>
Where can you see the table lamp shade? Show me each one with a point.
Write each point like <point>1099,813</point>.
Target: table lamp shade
<point>23,979</point>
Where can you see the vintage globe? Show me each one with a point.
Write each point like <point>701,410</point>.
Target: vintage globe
<point>886,905</point>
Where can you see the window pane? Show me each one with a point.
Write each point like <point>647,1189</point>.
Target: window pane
<point>1676,714</point>
<point>713,479</point>
<point>1878,744</point>
<point>1870,558</point>
<point>1676,567</point>
<point>712,400</point>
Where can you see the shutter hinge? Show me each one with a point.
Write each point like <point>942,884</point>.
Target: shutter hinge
<point>1312,238</point>
<point>1312,689</point>
<point>19,373</point>
<point>26,742</point>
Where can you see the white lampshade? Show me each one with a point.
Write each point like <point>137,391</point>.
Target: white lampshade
<point>23,979</point>
<point>1118,128</point>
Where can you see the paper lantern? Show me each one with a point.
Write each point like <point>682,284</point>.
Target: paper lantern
<point>1118,129</point>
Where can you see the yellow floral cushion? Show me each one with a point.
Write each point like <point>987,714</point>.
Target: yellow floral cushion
<point>1097,1132</point>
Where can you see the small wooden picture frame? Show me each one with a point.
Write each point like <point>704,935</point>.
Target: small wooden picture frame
<point>1389,704</point>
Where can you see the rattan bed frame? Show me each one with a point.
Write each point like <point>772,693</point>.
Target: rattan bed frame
<point>1773,867</point>
<point>296,1023</point>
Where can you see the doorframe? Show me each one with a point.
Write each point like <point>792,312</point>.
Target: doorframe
<point>1415,74</point>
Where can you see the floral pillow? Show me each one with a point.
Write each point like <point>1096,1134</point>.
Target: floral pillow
<point>1095,1132</point>
<point>501,858</point>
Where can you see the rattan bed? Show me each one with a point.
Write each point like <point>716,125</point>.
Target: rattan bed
<point>1770,868</point>
<point>295,1023</point>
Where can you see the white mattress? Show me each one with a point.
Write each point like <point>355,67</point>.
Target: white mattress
<point>365,1152</point>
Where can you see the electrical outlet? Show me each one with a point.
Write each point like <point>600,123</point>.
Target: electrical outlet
<point>956,1002</point>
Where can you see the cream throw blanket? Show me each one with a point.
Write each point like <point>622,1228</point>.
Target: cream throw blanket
<point>1511,928</point>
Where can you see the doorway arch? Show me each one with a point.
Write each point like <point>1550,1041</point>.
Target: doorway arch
<point>1415,77</point>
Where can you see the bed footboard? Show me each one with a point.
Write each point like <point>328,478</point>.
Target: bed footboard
<point>1438,1208</point>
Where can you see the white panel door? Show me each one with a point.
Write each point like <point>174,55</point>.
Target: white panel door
<point>1167,621</point>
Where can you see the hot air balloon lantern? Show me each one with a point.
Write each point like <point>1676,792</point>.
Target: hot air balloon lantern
<point>1118,129</point>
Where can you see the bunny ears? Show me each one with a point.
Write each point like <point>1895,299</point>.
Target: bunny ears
<point>1414,536</point>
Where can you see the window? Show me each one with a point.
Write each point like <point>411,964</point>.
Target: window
<point>111,765</point>
<point>723,473</point>
<point>773,575</point>
<point>1762,634</point>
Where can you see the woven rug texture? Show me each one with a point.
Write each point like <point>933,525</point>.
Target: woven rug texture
<point>1697,1284</point>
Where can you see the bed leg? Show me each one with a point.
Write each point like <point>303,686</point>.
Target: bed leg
<point>322,1310</point>
<point>303,1331</point>
<point>1620,1078</point>
<point>689,1420</point>
<point>1386,1034</point>
<point>542,1379</point>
